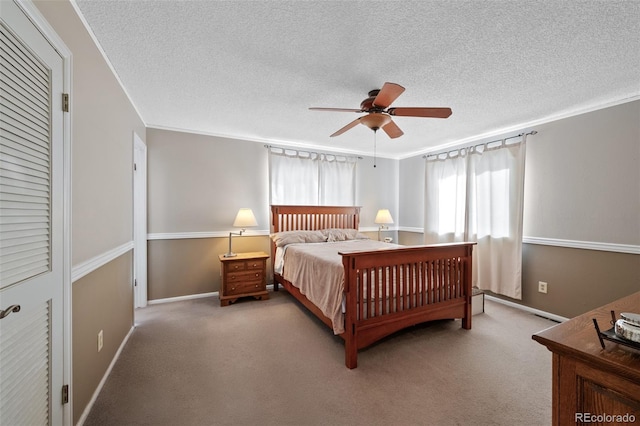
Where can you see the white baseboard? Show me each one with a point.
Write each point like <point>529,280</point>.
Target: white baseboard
<point>190,297</point>
<point>89,406</point>
<point>181,298</point>
<point>534,311</point>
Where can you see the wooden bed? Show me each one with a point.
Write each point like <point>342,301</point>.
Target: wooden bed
<point>433,282</point>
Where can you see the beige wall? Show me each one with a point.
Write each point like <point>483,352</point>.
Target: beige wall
<point>412,192</point>
<point>102,300</point>
<point>578,280</point>
<point>582,183</point>
<point>189,266</point>
<point>103,121</point>
<point>583,177</point>
<point>197,183</point>
<point>376,188</point>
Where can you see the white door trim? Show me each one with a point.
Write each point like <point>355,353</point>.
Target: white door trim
<point>139,222</point>
<point>54,39</point>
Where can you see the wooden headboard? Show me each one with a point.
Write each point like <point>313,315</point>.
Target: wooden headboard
<point>311,218</point>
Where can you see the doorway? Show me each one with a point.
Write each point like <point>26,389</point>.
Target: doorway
<point>139,222</point>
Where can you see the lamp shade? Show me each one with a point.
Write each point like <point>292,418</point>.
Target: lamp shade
<point>245,219</point>
<point>383,216</point>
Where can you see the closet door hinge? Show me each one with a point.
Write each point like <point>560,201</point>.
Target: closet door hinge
<point>65,394</point>
<point>65,102</point>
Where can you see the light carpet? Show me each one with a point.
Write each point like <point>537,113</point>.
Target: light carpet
<point>273,363</point>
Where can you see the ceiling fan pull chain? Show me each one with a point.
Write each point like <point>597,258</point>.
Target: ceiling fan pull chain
<point>374,147</point>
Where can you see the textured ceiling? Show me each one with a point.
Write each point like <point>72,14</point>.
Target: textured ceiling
<point>251,69</point>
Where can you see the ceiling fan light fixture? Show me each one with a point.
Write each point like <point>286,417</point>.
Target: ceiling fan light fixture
<point>379,113</point>
<point>375,120</point>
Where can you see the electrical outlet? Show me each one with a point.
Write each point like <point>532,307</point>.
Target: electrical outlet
<point>100,340</point>
<point>542,287</point>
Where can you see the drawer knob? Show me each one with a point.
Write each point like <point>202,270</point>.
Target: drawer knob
<point>233,288</point>
<point>257,274</point>
<point>255,264</point>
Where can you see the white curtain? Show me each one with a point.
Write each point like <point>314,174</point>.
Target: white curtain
<point>337,180</point>
<point>446,198</point>
<point>293,178</point>
<point>303,178</point>
<point>480,189</point>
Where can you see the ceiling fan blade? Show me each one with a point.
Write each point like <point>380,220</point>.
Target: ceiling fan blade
<point>388,94</point>
<point>354,123</point>
<point>336,109</point>
<point>420,112</point>
<point>392,130</point>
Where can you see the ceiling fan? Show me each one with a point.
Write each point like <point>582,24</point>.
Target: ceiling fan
<point>379,114</point>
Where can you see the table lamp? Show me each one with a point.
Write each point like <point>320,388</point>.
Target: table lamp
<point>383,218</point>
<point>244,219</point>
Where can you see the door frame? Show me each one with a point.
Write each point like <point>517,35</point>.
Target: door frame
<point>33,13</point>
<point>139,222</point>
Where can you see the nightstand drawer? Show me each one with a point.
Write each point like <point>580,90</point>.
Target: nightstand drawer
<point>235,277</point>
<point>255,264</point>
<point>237,266</point>
<point>244,287</point>
<point>242,265</point>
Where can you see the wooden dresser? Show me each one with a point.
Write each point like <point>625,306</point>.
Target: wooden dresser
<point>243,275</point>
<point>591,383</point>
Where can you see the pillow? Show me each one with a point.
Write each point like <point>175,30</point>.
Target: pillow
<point>343,234</point>
<point>281,239</point>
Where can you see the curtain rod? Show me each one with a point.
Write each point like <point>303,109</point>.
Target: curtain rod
<point>533,132</point>
<point>312,152</point>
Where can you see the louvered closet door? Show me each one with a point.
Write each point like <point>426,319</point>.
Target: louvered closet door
<point>31,362</point>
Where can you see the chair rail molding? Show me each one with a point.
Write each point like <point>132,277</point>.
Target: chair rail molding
<point>88,266</point>
<point>585,245</point>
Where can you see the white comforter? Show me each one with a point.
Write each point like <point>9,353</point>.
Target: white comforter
<point>317,270</point>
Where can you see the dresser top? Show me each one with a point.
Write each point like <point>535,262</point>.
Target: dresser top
<point>578,338</point>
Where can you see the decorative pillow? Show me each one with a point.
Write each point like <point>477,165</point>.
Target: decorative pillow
<point>343,234</point>
<point>281,239</point>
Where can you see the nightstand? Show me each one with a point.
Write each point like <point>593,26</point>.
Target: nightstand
<point>243,275</point>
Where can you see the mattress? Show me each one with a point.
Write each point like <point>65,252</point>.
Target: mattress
<point>316,270</point>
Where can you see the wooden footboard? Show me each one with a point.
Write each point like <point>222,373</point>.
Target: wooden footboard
<point>385,290</point>
<point>389,290</point>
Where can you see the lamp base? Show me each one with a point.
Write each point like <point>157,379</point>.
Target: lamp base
<point>230,254</point>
